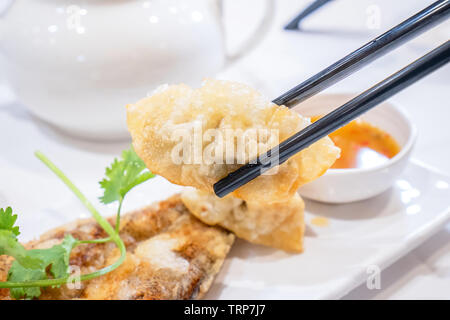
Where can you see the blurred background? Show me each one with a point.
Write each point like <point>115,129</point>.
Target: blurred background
<point>68,68</point>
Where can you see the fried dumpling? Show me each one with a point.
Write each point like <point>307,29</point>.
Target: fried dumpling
<point>186,135</point>
<point>170,255</point>
<point>279,224</point>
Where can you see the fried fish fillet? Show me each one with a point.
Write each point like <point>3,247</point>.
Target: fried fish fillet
<point>208,115</point>
<point>279,224</point>
<point>170,255</point>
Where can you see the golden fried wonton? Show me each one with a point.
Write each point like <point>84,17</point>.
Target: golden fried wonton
<point>279,224</point>
<point>158,124</point>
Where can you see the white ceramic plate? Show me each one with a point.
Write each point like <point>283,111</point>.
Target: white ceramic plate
<point>360,238</point>
<point>374,232</point>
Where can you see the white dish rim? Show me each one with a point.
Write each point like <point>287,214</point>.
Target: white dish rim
<point>389,258</point>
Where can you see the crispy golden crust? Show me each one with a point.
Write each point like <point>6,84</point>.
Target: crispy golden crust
<point>278,224</point>
<point>170,255</point>
<point>158,123</point>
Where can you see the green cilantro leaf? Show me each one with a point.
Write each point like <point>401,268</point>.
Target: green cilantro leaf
<point>123,175</point>
<point>56,257</point>
<point>7,220</point>
<point>9,244</point>
<point>36,264</point>
<point>18,273</point>
<point>54,263</point>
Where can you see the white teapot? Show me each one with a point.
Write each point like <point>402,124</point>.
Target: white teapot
<point>77,63</point>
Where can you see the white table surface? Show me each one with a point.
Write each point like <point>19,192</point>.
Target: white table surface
<point>283,60</point>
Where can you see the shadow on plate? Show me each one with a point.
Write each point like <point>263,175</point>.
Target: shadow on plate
<point>65,138</point>
<point>19,112</point>
<point>243,250</point>
<point>309,232</point>
<point>15,110</point>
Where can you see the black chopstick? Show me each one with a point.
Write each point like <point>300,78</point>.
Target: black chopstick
<point>336,119</point>
<point>317,4</point>
<point>415,25</point>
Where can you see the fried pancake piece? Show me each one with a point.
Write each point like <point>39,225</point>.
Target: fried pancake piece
<point>279,224</point>
<point>170,255</point>
<point>158,123</point>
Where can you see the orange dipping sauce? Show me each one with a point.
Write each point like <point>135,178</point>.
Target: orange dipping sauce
<point>362,145</point>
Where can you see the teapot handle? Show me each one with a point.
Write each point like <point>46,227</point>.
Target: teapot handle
<point>256,37</point>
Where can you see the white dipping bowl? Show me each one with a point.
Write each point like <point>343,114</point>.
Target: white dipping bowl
<point>349,185</point>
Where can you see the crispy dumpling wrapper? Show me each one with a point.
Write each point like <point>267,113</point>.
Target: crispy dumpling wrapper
<point>279,224</point>
<point>170,255</point>
<point>158,124</point>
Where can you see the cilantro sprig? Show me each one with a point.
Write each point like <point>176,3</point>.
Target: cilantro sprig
<point>121,177</point>
<point>36,268</point>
